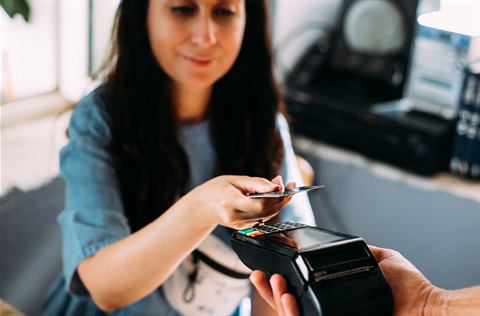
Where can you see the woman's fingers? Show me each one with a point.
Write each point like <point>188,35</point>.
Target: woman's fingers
<point>279,181</point>
<point>229,197</point>
<point>253,184</point>
<point>260,208</point>
<point>291,185</point>
<point>263,208</point>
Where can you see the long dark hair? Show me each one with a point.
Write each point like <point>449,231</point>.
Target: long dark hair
<point>151,165</point>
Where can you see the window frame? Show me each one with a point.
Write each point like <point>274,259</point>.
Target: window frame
<point>73,78</point>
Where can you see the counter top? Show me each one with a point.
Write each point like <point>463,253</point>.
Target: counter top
<point>443,181</point>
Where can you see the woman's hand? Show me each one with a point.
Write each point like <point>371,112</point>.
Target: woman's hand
<point>224,200</point>
<point>221,201</point>
<point>274,291</point>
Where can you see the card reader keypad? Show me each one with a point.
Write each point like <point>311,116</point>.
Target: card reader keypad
<point>270,229</point>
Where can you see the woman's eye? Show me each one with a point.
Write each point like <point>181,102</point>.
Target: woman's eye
<point>224,12</point>
<point>183,10</point>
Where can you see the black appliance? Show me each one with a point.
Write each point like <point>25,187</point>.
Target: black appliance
<point>329,273</point>
<point>347,89</point>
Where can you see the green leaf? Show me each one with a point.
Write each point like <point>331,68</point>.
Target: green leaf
<point>13,7</point>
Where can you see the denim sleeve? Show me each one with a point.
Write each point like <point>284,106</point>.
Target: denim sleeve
<point>93,216</point>
<point>299,209</point>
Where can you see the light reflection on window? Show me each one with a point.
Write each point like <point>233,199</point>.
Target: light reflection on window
<point>29,52</point>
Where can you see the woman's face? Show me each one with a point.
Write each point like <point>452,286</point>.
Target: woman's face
<point>196,42</point>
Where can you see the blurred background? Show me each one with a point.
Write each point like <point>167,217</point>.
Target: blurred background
<point>384,99</point>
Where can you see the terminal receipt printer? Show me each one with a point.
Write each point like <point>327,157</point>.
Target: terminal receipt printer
<point>329,273</point>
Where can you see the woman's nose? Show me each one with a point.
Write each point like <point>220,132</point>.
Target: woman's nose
<point>203,32</point>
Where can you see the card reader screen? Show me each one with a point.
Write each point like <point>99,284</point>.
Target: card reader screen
<point>303,238</point>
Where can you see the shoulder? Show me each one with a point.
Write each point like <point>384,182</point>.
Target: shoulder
<point>90,116</point>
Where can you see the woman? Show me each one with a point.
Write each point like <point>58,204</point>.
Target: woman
<point>162,157</point>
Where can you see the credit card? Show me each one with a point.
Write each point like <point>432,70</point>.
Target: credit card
<point>286,192</point>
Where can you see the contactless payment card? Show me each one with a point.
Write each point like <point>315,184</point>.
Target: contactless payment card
<point>285,192</point>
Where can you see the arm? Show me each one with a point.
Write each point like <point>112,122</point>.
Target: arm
<point>414,295</point>
<point>101,257</point>
<point>128,270</point>
<point>453,302</point>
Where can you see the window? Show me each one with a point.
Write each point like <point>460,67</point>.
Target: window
<point>44,62</point>
<point>52,71</point>
<point>29,52</point>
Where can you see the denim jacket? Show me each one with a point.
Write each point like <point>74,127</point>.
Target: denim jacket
<point>93,216</point>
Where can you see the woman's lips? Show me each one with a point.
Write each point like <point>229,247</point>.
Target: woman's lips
<point>199,61</point>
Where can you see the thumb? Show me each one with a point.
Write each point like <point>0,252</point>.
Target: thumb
<point>253,184</point>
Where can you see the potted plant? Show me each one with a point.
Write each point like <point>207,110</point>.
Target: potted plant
<point>13,7</point>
